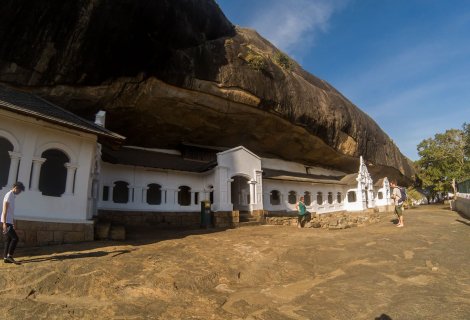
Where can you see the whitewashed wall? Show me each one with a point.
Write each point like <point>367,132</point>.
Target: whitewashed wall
<point>139,178</point>
<point>30,137</point>
<point>284,187</point>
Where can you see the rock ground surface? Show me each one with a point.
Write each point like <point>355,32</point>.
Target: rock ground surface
<point>265,272</point>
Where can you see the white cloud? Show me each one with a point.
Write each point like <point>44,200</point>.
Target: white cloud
<point>292,25</point>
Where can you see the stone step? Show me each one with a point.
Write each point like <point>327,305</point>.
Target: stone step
<point>246,217</point>
<point>250,224</point>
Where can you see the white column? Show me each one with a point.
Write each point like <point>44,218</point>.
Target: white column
<point>14,163</point>
<point>259,189</point>
<point>138,196</point>
<point>37,163</point>
<point>144,195</point>
<point>110,194</point>
<point>71,168</point>
<point>193,198</point>
<point>130,192</point>
<point>253,199</point>
<point>252,184</point>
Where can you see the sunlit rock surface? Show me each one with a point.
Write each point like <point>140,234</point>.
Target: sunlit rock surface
<point>172,71</point>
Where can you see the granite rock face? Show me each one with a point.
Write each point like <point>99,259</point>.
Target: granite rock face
<point>173,71</point>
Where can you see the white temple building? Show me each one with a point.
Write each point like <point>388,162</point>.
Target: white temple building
<point>76,171</point>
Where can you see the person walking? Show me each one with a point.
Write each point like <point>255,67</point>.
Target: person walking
<point>397,198</point>
<point>302,212</point>
<point>8,222</point>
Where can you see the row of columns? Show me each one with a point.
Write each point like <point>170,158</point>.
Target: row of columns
<point>15,158</point>
<point>138,195</point>
<point>313,198</point>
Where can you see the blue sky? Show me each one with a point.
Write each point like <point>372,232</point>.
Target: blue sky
<point>406,63</point>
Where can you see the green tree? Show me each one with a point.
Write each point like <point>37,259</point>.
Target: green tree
<point>442,159</point>
<point>466,134</point>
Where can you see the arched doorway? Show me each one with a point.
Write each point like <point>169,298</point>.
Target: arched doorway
<point>240,192</point>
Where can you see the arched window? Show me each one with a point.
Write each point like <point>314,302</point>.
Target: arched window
<point>339,197</point>
<point>275,198</point>
<point>319,198</point>
<point>292,198</point>
<point>154,194</point>
<point>380,195</point>
<point>352,196</point>
<point>307,198</point>
<point>121,192</point>
<point>184,196</point>
<point>5,160</point>
<point>53,173</point>
<point>330,197</point>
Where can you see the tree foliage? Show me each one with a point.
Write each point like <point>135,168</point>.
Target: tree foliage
<point>444,158</point>
<point>466,134</point>
<point>283,60</point>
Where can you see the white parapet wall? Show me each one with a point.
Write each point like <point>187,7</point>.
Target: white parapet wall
<point>462,204</point>
<point>138,181</point>
<point>320,198</point>
<point>30,138</point>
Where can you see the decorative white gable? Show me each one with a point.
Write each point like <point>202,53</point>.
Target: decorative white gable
<point>238,174</point>
<point>364,190</point>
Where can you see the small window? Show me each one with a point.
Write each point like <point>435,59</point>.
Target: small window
<point>330,197</point>
<point>352,196</point>
<point>380,195</point>
<point>184,196</point>
<point>307,198</point>
<point>105,193</point>
<point>196,197</point>
<point>154,194</point>
<point>292,198</point>
<point>319,198</point>
<point>121,192</point>
<point>339,197</point>
<point>275,198</point>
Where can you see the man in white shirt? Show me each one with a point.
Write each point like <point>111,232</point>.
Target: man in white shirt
<point>8,222</point>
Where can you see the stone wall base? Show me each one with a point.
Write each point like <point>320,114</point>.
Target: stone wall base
<point>151,219</point>
<point>333,220</point>
<point>222,219</point>
<point>41,233</point>
<point>226,219</point>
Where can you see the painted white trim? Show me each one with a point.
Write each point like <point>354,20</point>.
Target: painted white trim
<point>11,138</point>
<point>46,219</point>
<point>58,146</point>
<point>237,149</point>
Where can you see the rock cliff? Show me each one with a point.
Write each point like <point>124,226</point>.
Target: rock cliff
<point>173,71</point>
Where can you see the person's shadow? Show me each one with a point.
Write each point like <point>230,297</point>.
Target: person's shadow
<point>75,256</point>
<point>383,316</point>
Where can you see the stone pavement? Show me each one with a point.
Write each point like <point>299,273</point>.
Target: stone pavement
<point>378,271</point>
